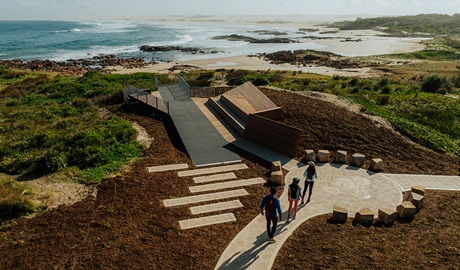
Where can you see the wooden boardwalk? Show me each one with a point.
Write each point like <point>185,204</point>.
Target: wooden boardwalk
<point>204,144</point>
<point>146,98</point>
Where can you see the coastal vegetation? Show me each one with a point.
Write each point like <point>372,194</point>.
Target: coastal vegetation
<point>53,123</point>
<point>14,200</point>
<point>438,24</point>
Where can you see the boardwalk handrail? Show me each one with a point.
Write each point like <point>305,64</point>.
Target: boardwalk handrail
<point>157,83</point>
<point>146,98</point>
<point>185,86</point>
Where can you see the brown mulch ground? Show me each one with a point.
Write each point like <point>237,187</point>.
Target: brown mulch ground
<point>430,241</point>
<point>127,226</point>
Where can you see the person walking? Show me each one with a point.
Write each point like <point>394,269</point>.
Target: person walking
<point>310,175</point>
<point>293,196</point>
<point>271,208</point>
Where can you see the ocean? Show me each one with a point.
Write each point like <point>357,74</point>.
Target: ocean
<point>64,40</point>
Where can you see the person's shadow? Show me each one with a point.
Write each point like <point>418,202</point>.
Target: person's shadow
<point>245,259</point>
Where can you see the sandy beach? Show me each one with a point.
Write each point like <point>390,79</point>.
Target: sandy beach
<point>347,43</point>
<point>370,44</point>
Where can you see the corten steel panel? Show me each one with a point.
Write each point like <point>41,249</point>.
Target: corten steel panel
<point>271,134</point>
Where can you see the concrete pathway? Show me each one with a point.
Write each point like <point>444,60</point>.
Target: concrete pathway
<point>350,187</point>
<point>440,182</point>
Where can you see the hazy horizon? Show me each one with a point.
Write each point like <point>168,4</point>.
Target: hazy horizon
<point>85,9</point>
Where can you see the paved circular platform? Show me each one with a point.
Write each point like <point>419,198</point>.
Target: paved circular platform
<point>350,187</point>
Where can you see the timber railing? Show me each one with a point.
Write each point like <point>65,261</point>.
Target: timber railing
<point>185,86</point>
<point>144,96</point>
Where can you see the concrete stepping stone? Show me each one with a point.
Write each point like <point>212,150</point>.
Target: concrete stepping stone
<point>418,189</point>
<point>205,221</point>
<point>339,214</point>
<point>406,210</point>
<point>310,155</point>
<point>387,216</point>
<point>205,197</point>
<point>377,164</point>
<point>276,166</point>
<point>323,156</point>
<point>215,177</point>
<point>416,199</point>
<point>357,159</point>
<point>212,170</point>
<point>171,167</point>
<point>341,157</point>
<point>364,217</point>
<point>230,184</point>
<point>216,207</point>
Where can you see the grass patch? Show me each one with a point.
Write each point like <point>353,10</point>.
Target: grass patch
<point>433,55</point>
<point>14,200</point>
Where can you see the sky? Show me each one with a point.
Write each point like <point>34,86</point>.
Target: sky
<point>78,9</point>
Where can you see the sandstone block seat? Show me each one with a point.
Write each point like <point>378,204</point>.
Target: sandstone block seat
<point>276,166</point>
<point>310,155</point>
<point>339,214</point>
<point>416,200</point>
<point>377,164</point>
<point>387,216</point>
<point>418,189</point>
<point>358,159</point>
<point>364,217</point>
<point>277,177</point>
<point>341,157</point>
<point>323,156</point>
<point>406,210</point>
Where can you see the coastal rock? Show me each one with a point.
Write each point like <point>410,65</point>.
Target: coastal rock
<point>311,58</point>
<point>235,37</point>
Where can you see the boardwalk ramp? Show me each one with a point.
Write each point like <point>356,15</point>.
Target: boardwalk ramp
<point>204,144</point>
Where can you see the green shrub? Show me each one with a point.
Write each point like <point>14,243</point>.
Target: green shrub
<point>437,84</point>
<point>260,81</point>
<point>383,100</point>
<point>353,82</point>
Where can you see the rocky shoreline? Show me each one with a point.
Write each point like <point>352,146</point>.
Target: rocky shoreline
<point>235,37</point>
<point>76,67</point>
<point>192,50</point>
<point>311,58</point>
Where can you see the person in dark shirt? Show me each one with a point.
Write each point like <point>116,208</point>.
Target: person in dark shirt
<point>271,208</point>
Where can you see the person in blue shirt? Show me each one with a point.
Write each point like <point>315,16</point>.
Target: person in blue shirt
<point>271,208</point>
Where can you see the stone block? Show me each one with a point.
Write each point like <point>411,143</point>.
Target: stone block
<point>358,159</point>
<point>310,155</point>
<point>339,214</point>
<point>277,177</point>
<point>276,166</point>
<point>416,200</point>
<point>406,210</point>
<point>364,216</point>
<point>387,216</point>
<point>377,164</point>
<point>341,157</point>
<point>323,156</point>
<point>418,189</point>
